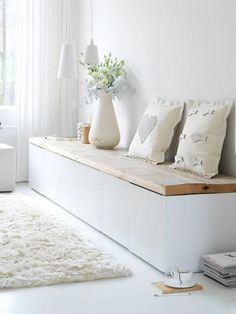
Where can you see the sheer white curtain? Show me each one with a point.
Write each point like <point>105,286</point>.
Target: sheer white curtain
<point>47,105</point>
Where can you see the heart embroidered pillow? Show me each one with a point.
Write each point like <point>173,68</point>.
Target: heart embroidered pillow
<point>202,138</point>
<point>155,130</point>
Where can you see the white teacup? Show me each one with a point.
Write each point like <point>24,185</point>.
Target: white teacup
<point>181,275</point>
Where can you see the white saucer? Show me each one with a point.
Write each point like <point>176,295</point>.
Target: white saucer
<point>174,284</point>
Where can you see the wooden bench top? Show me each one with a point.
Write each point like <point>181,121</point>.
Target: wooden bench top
<point>158,178</point>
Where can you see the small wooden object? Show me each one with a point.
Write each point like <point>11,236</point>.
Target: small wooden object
<point>85,133</point>
<point>168,290</point>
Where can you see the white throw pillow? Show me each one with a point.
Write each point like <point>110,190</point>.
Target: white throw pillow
<point>155,131</point>
<point>202,138</point>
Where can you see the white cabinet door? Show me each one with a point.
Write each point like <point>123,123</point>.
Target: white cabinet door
<point>199,225</point>
<point>51,167</point>
<point>44,171</point>
<point>36,169</point>
<point>90,196</point>
<point>80,191</point>
<point>135,217</point>
<point>69,185</point>
<point>147,225</point>
<point>115,209</point>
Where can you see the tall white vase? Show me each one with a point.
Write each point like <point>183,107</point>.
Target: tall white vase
<point>104,132</point>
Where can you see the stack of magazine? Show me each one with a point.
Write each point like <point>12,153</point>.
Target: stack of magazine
<point>221,267</point>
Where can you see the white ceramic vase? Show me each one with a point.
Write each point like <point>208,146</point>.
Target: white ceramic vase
<point>104,132</point>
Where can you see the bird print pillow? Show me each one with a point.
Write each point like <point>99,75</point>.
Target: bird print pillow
<point>202,138</point>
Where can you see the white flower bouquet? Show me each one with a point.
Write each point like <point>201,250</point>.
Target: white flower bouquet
<point>108,76</point>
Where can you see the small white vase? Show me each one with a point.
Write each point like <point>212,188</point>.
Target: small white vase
<point>104,132</point>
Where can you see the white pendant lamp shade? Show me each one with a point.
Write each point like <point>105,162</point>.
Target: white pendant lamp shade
<point>67,64</point>
<point>91,54</point>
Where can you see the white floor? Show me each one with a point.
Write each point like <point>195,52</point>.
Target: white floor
<point>133,295</point>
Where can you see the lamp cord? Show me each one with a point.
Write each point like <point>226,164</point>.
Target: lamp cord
<point>91,12</point>
<point>68,22</point>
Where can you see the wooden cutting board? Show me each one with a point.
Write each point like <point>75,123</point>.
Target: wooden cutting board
<point>167,290</point>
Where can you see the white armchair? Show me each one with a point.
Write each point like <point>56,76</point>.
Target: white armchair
<point>7,168</point>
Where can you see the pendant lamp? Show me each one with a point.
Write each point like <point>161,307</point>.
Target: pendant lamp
<point>91,53</point>
<point>67,67</point>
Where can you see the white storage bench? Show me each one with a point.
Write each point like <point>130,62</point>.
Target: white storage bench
<point>7,168</point>
<point>160,214</point>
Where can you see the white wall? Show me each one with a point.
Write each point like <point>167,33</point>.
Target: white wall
<point>176,49</point>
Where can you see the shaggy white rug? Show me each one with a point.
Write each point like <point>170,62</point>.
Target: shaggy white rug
<point>38,249</point>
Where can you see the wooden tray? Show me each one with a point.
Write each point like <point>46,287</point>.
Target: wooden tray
<point>167,290</point>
